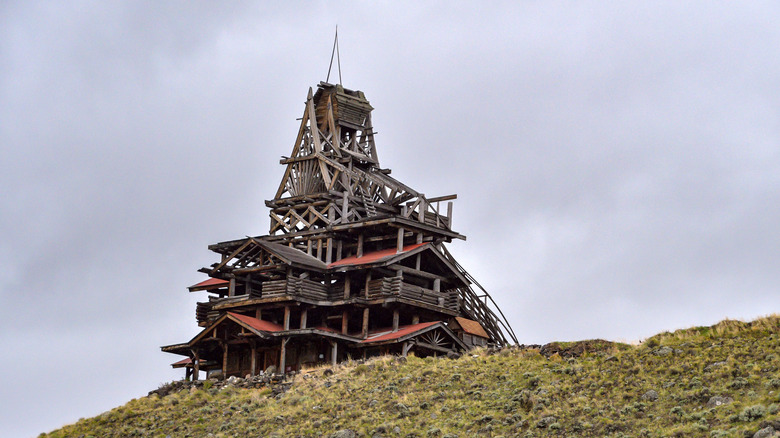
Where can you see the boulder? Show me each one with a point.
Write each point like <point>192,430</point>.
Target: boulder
<point>651,395</point>
<point>344,433</point>
<point>718,401</point>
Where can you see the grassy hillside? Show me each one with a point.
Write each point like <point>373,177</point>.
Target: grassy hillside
<point>719,381</point>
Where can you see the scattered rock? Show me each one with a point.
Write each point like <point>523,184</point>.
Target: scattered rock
<point>344,433</point>
<point>327,372</point>
<point>453,355</point>
<point>651,395</point>
<point>718,401</point>
<point>546,421</point>
<point>663,351</point>
<point>713,365</point>
<point>766,432</point>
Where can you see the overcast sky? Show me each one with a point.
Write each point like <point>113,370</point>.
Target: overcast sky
<point>617,165</point>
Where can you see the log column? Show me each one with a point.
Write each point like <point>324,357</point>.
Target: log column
<point>364,332</point>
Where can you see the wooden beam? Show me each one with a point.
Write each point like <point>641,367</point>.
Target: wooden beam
<point>364,332</point>
<point>196,365</point>
<point>254,358</point>
<point>344,321</point>
<point>416,272</point>
<point>399,247</point>
<point>283,356</point>
<point>443,198</point>
<point>334,351</point>
<point>396,318</point>
<point>287,317</point>
<point>346,286</point>
<point>360,246</point>
<point>304,314</point>
<point>224,360</point>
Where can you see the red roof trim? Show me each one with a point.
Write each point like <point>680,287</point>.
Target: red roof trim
<point>257,324</point>
<point>215,282</point>
<point>185,361</point>
<point>402,331</point>
<point>472,327</point>
<point>373,257</point>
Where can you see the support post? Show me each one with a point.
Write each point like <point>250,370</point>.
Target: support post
<point>258,313</point>
<point>364,332</point>
<point>283,356</point>
<point>232,287</point>
<point>360,246</point>
<point>253,362</point>
<point>304,315</point>
<point>329,251</point>
<point>399,247</point>
<point>346,286</point>
<point>368,280</point>
<point>334,351</point>
<point>344,321</point>
<point>395,320</point>
<point>196,367</point>
<point>224,359</point>
<point>287,317</point>
<point>416,319</point>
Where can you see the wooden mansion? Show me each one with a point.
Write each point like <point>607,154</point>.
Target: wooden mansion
<point>354,264</point>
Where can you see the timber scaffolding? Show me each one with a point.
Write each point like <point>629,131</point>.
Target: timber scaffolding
<point>354,263</point>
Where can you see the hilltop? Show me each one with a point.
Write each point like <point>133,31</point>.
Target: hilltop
<point>718,381</point>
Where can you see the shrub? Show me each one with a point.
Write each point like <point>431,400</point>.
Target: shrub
<point>752,413</point>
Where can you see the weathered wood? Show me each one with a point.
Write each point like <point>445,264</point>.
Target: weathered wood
<point>395,320</point>
<point>364,331</point>
<point>283,356</point>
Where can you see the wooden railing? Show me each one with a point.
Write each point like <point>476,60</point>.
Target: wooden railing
<point>395,286</point>
<point>300,287</point>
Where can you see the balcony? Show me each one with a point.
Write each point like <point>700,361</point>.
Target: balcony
<point>396,287</point>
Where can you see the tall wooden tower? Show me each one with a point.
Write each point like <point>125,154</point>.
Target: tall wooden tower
<point>354,263</point>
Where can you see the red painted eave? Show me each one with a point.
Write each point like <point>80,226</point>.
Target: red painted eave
<point>181,363</point>
<point>257,324</point>
<point>402,331</point>
<point>210,284</point>
<point>373,257</point>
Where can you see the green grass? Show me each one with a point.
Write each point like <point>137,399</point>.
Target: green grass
<point>510,393</point>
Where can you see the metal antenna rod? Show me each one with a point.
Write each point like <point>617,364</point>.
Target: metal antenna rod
<point>335,52</point>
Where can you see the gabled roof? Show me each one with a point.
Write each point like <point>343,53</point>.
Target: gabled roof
<point>401,332</point>
<point>385,255</point>
<point>257,326</point>
<point>471,327</point>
